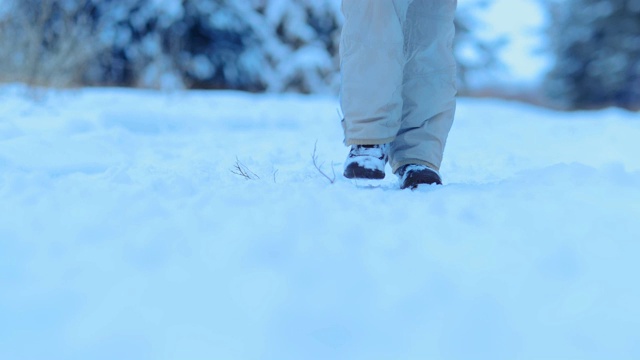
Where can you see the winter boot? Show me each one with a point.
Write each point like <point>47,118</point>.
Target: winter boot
<point>366,162</point>
<point>413,175</point>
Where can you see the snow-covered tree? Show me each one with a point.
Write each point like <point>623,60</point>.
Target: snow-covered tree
<point>255,45</point>
<point>597,48</point>
<point>300,39</point>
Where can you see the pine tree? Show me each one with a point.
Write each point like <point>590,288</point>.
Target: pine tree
<point>597,48</point>
<point>192,44</point>
<point>255,45</point>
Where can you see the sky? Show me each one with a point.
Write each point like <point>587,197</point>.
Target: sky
<point>522,21</point>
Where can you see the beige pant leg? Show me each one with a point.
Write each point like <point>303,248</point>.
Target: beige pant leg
<point>429,84</point>
<point>372,64</point>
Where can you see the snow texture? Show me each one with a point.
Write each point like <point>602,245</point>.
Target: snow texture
<point>124,233</point>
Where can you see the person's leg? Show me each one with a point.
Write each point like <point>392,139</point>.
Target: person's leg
<point>372,62</point>
<point>429,85</point>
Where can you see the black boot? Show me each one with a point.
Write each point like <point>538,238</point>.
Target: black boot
<point>413,175</point>
<point>366,162</point>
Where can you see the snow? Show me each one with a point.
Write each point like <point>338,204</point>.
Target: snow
<point>124,233</point>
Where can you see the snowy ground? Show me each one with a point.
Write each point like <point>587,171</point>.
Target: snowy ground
<point>124,233</point>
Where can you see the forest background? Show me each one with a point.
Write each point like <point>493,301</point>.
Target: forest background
<point>591,47</point>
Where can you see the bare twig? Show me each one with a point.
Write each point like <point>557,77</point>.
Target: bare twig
<point>242,170</point>
<point>314,157</point>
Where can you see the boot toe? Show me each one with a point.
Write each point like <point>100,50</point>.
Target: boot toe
<point>355,171</point>
<point>411,176</point>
